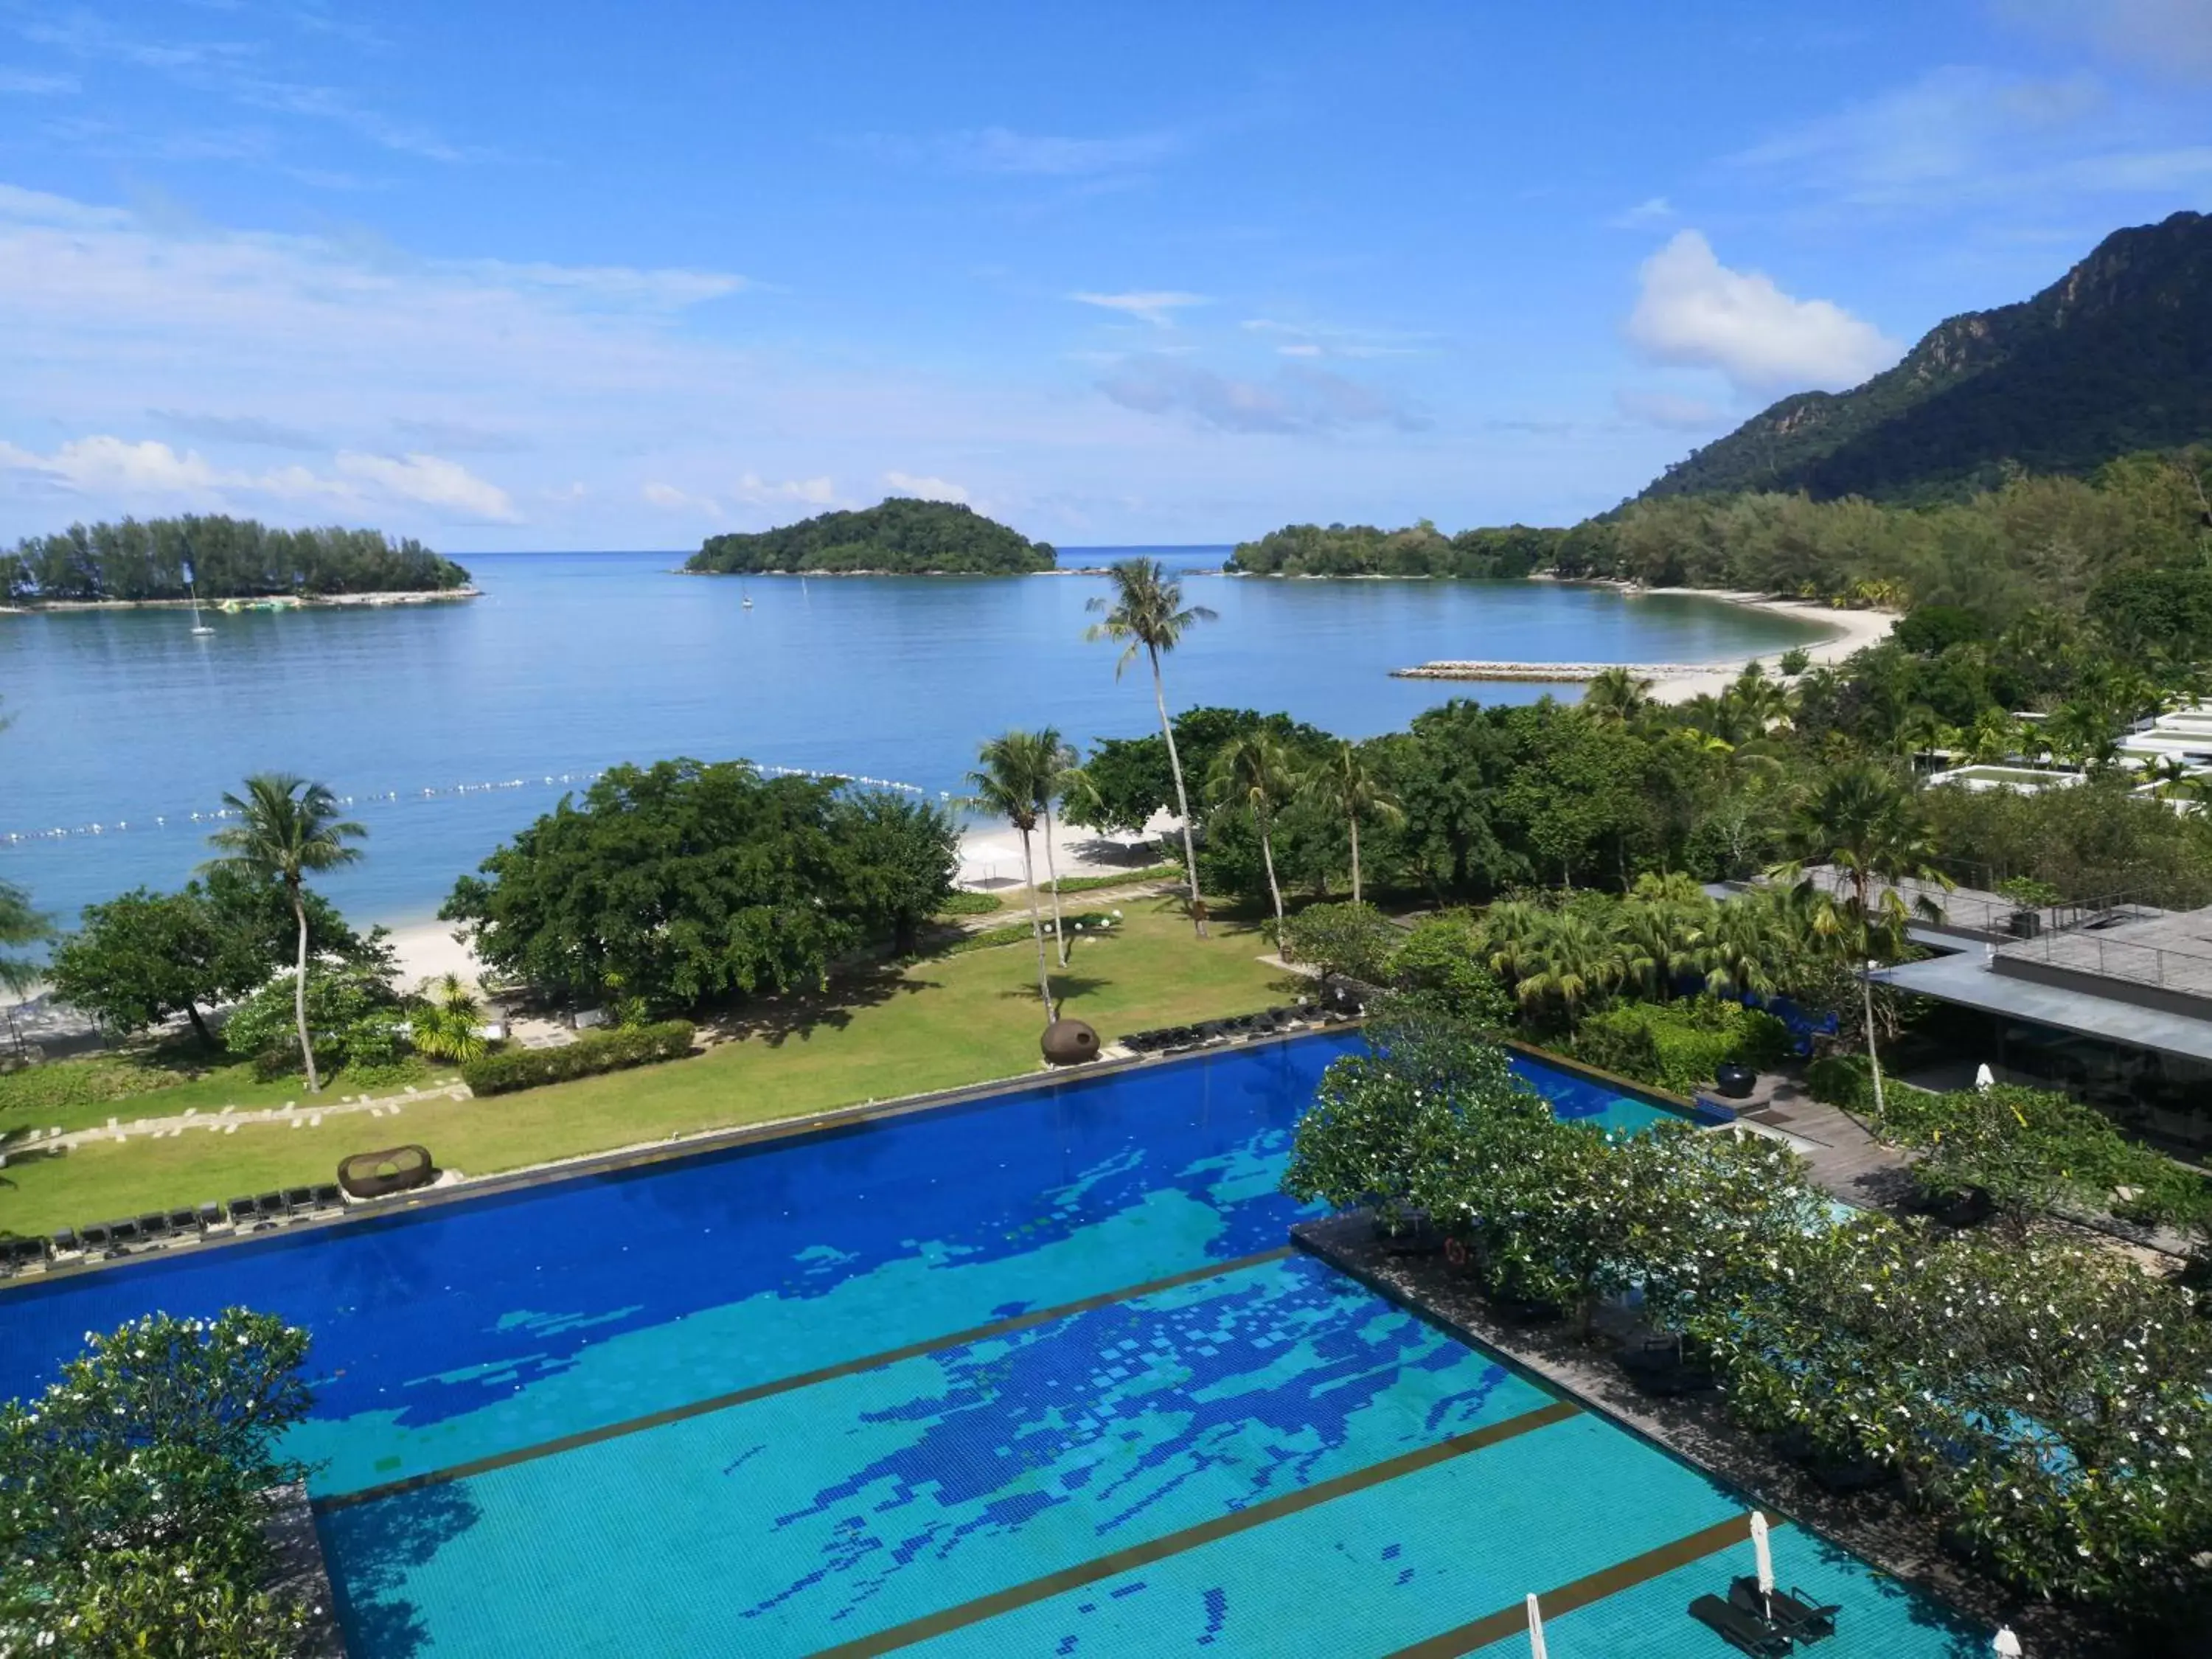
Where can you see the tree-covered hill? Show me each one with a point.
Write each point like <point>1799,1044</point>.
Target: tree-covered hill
<point>2113,358</point>
<point>227,558</point>
<point>902,537</point>
<point>1421,550</point>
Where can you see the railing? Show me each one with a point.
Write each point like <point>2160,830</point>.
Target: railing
<point>2136,964</point>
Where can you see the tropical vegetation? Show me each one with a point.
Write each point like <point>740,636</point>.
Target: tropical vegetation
<point>687,880</point>
<point>901,537</point>
<point>134,1494</point>
<point>218,558</point>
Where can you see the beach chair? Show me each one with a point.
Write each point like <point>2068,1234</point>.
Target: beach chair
<point>211,1215</point>
<point>268,1204</point>
<point>240,1209</point>
<point>183,1221</point>
<point>1742,1630</point>
<point>154,1224</point>
<point>297,1199</point>
<point>1789,1611</point>
<point>66,1239</point>
<point>328,1197</point>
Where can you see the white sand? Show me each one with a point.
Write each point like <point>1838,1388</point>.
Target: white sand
<point>1849,631</point>
<point>428,949</point>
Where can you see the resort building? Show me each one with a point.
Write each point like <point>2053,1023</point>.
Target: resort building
<point>2110,1001</point>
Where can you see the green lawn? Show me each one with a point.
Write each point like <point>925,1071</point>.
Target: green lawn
<point>937,1024</point>
<point>204,1082</point>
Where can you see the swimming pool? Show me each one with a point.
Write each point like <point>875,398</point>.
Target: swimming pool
<point>1031,1374</point>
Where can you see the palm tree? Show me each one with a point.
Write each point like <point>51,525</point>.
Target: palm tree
<point>1862,821</point>
<point>1254,771</point>
<point>1005,787</point>
<point>1145,612</point>
<point>1345,783</point>
<point>1057,777</point>
<point>1571,958</point>
<point>449,1026</point>
<point>1616,696</point>
<point>287,830</point>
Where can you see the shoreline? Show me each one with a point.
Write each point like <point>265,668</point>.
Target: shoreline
<point>287,601</point>
<point>1848,633</point>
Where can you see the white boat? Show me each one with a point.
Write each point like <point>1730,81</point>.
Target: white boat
<point>198,627</point>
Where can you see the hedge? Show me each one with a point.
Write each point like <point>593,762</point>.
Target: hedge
<point>592,1052</point>
<point>1680,1045</point>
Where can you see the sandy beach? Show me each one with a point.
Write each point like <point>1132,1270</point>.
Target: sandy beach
<point>1848,631</point>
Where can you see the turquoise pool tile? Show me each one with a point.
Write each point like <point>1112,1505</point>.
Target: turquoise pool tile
<point>862,1503</point>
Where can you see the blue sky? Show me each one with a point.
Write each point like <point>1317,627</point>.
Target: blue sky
<point>570,276</point>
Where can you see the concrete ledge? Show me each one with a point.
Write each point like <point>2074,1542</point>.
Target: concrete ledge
<point>301,1573</point>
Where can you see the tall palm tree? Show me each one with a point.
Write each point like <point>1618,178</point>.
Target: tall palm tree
<point>1057,775</point>
<point>1571,958</point>
<point>1254,771</point>
<point>1860,819</point>
<point>1004,785</point>
<point>287,830</point>
<point>1345,783</point>
<point>1145,612</point>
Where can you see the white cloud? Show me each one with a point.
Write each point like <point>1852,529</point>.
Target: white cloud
<point>928,488</point>
<point>670,499</point>
<point>1653,210</point>
<point>1694,312</point>
<point>2169,37</point>
<point>1670,411</point>
<point>812,492</point>
<point>18,83</point>
<point>1296,399</point>
<point>1157,306</point>
<point>116,469</point>
<point>1033,154</point>
<point>433,481</point>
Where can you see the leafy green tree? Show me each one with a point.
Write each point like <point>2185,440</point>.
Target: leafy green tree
<point>1441,960</point>
<point>144,955</point>
<point>1616,695</point>
<point>353,1012</point>
<point>1254,773</point>
<point>19,925</point>
<point>1145,612</point>
<point>223,558</point>
<point>1350,788</point>
<point>288,829</point>
<point>897,857</point>
<point>1014,770</point>
<point>1353,939</point>
<point>130,1493</point>
<point>688,879</point>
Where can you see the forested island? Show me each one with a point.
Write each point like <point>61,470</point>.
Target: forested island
<point>902,537</point>
<point>1421,550</point>
<point>142,561</point>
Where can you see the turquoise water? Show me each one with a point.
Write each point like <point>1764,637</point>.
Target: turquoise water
<point>1033,1374</point>
<point>572,662</point>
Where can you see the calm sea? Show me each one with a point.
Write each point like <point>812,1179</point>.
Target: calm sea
<point>570,662</point>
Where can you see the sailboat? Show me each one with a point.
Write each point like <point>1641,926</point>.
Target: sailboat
<point>198,627</point>
<point>745,599</point>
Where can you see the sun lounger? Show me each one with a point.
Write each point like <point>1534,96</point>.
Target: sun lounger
<point>121,1232</point>
<point>66,1239</point>
<point>1789,1611</point>
<point>211,1215</point>
<point>297,1199</point>
<point>1739,1629</point>
<point>240,1209</point>
<point>328,1197</point>
<point>269,1205</point>
<point>154,1224</point>
<point>183,1221</point>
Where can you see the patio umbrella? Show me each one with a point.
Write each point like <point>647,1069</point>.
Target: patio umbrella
<point>1536,1649</point>
<point>2006,1645</point>
<point>1764,1552</point>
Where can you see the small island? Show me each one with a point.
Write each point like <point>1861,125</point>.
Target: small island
<point>172,561</point>
<point>1421,550</point>
<point>902,537</point>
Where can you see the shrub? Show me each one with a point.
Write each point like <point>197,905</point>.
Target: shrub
<point>1017,933</point>
<point>1842,1080</point>
<point>1681,1045</point>
<point>1353,939</point>
<point>589,1054</point>
<point>971,904</point>
<point>65,1082</point>
<point>1441,959</point>
<point>1125,879</point>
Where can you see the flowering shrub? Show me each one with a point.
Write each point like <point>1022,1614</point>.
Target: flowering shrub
<point>130,1493</point>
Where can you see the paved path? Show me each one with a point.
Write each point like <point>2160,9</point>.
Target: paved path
<point>227,1120</point>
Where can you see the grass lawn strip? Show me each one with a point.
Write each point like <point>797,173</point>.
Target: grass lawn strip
<point>940,1023</point>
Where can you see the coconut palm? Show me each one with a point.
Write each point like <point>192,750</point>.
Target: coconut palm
<point>1058,777</point>
<point>1254,771</point>
<point>1862,820</point>
<point>1571,959</point>
<point>1005,787</point>
<point>450,1024</point>
<point>1145,612</point>
<point>1346,784</point>
<point>1616,696</point>
<point>289,828</point>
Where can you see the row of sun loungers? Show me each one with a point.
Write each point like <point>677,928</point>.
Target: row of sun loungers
<point>164,1226</point>
<point>1766,1625</point>
<point>1171,1039</point>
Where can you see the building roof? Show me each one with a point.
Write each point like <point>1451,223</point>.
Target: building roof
<point>1965,979</point>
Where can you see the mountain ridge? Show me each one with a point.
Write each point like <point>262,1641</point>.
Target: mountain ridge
<point>2113,358</point>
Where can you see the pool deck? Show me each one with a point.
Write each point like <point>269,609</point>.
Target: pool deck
<point>1878,1530</point>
